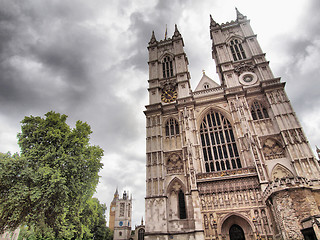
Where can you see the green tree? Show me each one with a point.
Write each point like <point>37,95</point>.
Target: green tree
<point>47,187</point>
<point>94,221</point>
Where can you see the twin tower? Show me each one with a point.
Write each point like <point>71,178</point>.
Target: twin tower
<point>228,160</point>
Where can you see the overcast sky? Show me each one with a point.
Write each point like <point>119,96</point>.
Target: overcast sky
<point>88,60</point>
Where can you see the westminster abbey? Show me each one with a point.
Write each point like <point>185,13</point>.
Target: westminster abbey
<point>228,160</point>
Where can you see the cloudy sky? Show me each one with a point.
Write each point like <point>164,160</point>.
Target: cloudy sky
<point>88,60</point>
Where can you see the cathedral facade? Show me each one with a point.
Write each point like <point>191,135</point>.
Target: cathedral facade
<point>228,160</point>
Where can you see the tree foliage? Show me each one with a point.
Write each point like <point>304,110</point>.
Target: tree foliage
<point>48,185</point>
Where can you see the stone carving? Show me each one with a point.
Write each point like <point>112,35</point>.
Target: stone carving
<point>279,171</point>
<point>174,164</point>
<point>272,149</point>
<point>206,223</point>
<point>244,67</point>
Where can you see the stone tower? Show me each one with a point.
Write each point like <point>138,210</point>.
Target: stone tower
<point>228,160</point>
<point>112,213</point>
<point>122,219</point>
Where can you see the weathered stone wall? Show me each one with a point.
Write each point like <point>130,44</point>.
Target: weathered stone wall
<point>290,208</point>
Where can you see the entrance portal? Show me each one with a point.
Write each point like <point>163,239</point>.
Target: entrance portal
<point>236,232</point>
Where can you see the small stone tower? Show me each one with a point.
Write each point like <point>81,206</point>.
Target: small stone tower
<point>122,223</point>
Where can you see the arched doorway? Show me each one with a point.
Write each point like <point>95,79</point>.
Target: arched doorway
<point>236,232</point>
<point>236,227</point>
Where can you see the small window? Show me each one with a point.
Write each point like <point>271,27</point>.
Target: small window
<point>172,128</point>
<point>258,111</point>
<point>182,206</point>
<point>167,67</point>
<point>206,85</point>
<point>237,50</point>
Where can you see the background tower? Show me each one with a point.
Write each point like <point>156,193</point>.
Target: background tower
<point>228,160</point>
<point>122,223</point>
<point>112,212</point>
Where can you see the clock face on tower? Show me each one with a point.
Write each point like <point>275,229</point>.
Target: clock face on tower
<point>113,208</point>
<point>169,95</point>
<point>120,223</point>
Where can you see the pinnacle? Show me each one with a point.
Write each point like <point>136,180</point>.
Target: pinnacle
<point>213,23</point>
<point>240,16</point>
<point>153,38</point>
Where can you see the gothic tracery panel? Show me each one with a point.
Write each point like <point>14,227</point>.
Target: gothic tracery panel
<point>174,164</point>
<point>272,149</point>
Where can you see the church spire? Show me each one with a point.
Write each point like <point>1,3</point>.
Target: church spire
<point>240,16</point>
<point>213,23</point>
<point>153,39</point>
<point>176,33</point>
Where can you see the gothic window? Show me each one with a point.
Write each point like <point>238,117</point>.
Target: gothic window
<point>167,67</point>
<point>121,209</point>
<point>141,234</point>
<point>258,111</point>
<point>272,149</point>
<point>172,127</point>
<point>218,143</point>
<point>237,50</point>
<point>182,205</point>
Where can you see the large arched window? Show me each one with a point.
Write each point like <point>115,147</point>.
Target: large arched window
<point>218,143</point>
<point>172,127</point>
<point>258,111</point>
<point>167,67</point>
<point>141,234</point>
<point>182,205</point>
<point>237,50</point>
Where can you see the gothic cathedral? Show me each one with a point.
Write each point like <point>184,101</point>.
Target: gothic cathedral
<point>230,160</point>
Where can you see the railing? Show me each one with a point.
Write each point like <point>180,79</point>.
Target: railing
<point>240,171</point>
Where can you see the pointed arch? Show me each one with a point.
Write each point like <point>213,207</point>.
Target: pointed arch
<point>167,62</point>
<point>219,147</point>
<point>236,48</point>
<point>279,171</point>
<point>175,185</point>
<point>236,218</point>
<point>177,207</point>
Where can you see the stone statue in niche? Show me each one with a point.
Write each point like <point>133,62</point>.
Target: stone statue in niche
<point>265,221</point>
<point>258,221</point>
<point>206,223</point>
<point>212,221</point>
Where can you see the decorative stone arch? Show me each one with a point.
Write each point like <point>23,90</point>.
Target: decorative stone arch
<point>279,171</point>
<point>176,203</point>
<point>171,55</point>
<point>174,164</point>
<point>205,111</point>
<point>236,218</point>
<point>174,186</point>
<point>233,37</point>
<point>272,149</point>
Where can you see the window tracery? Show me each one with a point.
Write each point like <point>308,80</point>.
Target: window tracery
<point>258,111</point>
<point>167,67</point>
<point>218,143</point>
<point>272,149</point>
<point>237,50</point>
<point>172,127</point>
<point>174,164</point>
